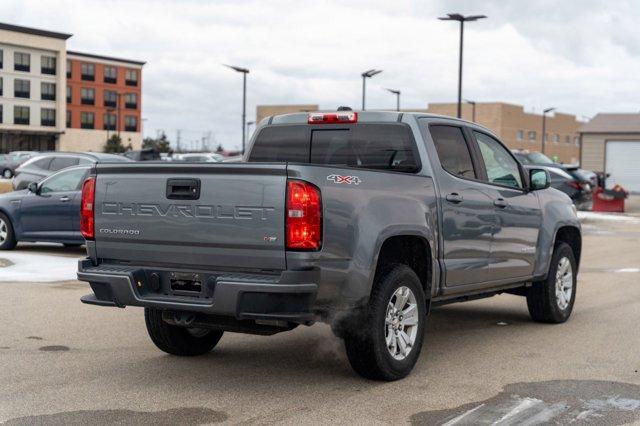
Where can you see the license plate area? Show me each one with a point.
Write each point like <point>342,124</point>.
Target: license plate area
<point>185,284</point>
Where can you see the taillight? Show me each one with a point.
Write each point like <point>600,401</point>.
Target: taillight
<point>574,184</point>
<point>304,216</point>
<point>332,117</point>
<point>87,207</point>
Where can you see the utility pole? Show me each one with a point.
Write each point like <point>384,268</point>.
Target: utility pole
<point>544,126</point>
<point>473,109</point>
<point>244,72</point>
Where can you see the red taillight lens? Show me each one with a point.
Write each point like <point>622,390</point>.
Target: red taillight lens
<point>332,117</point>
<point>304,216</point>
<point>86,208</point>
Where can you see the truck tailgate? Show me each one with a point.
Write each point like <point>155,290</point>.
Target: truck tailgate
<point>191,215</point>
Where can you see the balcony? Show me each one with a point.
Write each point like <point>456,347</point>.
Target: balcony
<point>131,83</point>
<point>48,123</point>
<point>111,104</point>
<point>86,101</point>
<point>20,120</point>
<point>131,105</point>
<point>109,126</point>
<point>20,67</point>
<point>130,128</point>
<point>50,71</point>
<point>48,96</point>
<point>21,94</point>
<point>86,125</point>
<point>88,77</point>
<point>112,80</point>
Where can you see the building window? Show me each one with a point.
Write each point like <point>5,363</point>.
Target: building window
<point>556,138</point>
<point>47,91</point>
<point>532,135</point>
<point>1,58</point>
<point>567,139</point>
<point>0,113</point>
<point>130,101</point>
<point>110,98</point>
<point>68,68</point>
<point>1,85</point>
<point>21,61</point>
<point>131,77</point>
<point>48,65</point>
<point>110,74</point>
<point>86,120</point>
<point>87,96</point>
<point>520,135</point>
<point>68,118</point>
<point>109,121</point>
<point>130,123</point>
<point>20,115</point>
<point>69,94</point>
<point>88,72</point>
<point>21,88</point>
<point>48,117</point>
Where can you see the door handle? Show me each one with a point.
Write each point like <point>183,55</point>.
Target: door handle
<point>454,198</point>
<point>500,202</point>
<point>64,199</point>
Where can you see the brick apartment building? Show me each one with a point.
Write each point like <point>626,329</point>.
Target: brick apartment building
<point>54,99</point>
<point>515,127</point>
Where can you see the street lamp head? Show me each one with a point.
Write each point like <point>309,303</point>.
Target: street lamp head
<point>371,73</point>
<point>470,101</point>
<point>236,68</point>
<point>461,18</point>
<point>548,110</point>
<point>395,92</point>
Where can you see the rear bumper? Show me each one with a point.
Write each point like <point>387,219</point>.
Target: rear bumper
<point>286,297</point>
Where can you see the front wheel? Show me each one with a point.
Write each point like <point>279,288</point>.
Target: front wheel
<point>7,237</point>
<point>552,300</point>
<point>385,341</point>
<point>7,174</point>
<point>176,340</point>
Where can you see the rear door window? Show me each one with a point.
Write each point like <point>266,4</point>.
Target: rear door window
<point>281,144</point>
<point>60,163</point>
<point>453,151</point>
<point>43,163</point>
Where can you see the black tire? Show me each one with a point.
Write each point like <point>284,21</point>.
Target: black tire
<point>9,242</point>
<point>542,300</point>
<point>176,340</point>
<point>365,343</point>
<point>7,173</point>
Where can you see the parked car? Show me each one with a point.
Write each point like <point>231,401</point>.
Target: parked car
<point>9,162</point>
<point>199,157</point>
<point>37,168</point>
<point>48,211</point>
<point>363,220</point>
<point>580,191</point>
<point>147,154</point>
<point>539,159</point>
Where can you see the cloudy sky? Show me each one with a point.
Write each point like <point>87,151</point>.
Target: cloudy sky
<point>581,56</point>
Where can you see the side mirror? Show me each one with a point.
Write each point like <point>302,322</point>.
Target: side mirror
<point>539,179</point>
<point>33,187</point>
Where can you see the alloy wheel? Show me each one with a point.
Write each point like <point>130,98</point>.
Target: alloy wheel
<point>564,283</point>
<point>401,323</point>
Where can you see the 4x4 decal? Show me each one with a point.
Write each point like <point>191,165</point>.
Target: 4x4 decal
<point>355,180</point>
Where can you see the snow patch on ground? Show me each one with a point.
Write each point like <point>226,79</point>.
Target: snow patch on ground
<point>30,267</point>
<point>610,217</point>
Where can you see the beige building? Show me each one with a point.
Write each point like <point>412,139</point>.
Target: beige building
<point>522,130</point>
<point>32,88</point>
<point>263,111</point>
<point>611,144</point>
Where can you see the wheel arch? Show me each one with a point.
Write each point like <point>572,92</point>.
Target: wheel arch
<point>570,235</point>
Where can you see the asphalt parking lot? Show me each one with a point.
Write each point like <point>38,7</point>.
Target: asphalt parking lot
<point>62,362</point>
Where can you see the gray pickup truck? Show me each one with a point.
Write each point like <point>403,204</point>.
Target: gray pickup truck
<point>363,220</point>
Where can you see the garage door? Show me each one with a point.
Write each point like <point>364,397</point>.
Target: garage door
<point>623,164</point>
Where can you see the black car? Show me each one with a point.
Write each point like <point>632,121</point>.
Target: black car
<point>539,159</point>
<point>580,191</point>
<point>41,166</point>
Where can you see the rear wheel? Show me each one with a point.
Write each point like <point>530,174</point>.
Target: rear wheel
<point>7,174</point>
<point>552,300</point>
<point>7,237</point>
<point>176,340</point>
<point>385,341</point>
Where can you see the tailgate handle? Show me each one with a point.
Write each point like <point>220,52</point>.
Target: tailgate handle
<point>183,189</point>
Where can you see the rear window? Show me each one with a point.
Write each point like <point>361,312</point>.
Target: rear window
<point>369,146</point>
<point>60,163</point>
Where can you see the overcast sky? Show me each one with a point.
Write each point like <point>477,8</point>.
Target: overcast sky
<point>581,56</point>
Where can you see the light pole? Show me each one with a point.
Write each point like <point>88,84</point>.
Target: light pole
<point>462,19</point>
<point>544,125</point>
<point>473,109</point>
<point>244,72</point>
<point>365,75</point>
<point>397,93</point>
